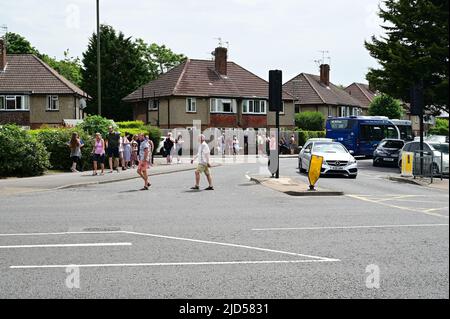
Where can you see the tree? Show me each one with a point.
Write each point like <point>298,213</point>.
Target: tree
<point>125,66</point>
<point>69,67</point>
<point>385,105</point>
<point>414,48</point>
<point>441,127</point>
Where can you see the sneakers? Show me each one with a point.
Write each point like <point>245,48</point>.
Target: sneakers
<point>195,188</point>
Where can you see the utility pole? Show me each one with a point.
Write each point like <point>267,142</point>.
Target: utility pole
<point>99,78</point>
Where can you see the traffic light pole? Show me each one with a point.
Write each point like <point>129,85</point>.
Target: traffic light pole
<point>277,118</point>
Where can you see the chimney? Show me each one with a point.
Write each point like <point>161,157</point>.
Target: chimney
<point>220,57</point>
<point>325,74</point>
<point>2,54</point>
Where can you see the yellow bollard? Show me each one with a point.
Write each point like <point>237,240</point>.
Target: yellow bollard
<point>407,164</point>
<point>315,167</point>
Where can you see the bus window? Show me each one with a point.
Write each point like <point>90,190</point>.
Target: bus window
<point>371,133</point>
<point>391,132</point>
<point>341,124</point>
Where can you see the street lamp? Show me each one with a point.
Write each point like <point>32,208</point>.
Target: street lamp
<point>99,79</point>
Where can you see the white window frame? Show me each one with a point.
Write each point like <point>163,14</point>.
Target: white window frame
<point>2,103</point>
<point>345,111</point>
<point>24,102</point>
<point>191,105</point>
<point>151,105</point>
<point>250,106</point>
<point>52,103</point>
<point>215,107</point>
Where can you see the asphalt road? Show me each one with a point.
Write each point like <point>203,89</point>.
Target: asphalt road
<point>240,241</point>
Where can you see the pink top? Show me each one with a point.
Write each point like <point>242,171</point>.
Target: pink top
<point>99,147</point>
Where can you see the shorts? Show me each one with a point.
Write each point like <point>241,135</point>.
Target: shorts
<point>75,159</point>
<point>143,165</point>
<point>113,152</point>
<point>203,169</point>
<point>99,158</point>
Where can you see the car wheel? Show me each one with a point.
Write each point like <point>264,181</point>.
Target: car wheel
<point>375,163</point>
<point>435,169</point>
<point>300,166</point>
<point>353,176</point>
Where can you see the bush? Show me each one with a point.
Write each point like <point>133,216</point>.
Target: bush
<point>56,140</point>
<point>130,125</point>
<point>154,134</point>
<point>441,128</point>
<point>303,136</point>
<point>20,153</point>
<point>96,124</point>
<point>310,121</point>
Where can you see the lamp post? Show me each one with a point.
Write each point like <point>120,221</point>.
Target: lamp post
<point>99,79</point>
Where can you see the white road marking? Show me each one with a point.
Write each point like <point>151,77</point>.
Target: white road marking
<point>65,245</point>
<point>350,227</point>
<point>176,264</point>
<point>62,233</point>
<point>231,245</point>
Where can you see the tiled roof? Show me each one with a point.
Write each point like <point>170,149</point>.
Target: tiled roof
<point>361,92</point>
<point>308,89</point>
<point>28,73</point>
<point>199,78</point>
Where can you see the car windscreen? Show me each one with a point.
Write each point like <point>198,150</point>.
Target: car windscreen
<point>440,147</point>
<point>392,144</point>
<point>329,148</point>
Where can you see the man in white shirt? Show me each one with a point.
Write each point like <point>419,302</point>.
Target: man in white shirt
<point>204,165</point>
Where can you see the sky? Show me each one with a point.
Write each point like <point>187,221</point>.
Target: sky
<point>261,34</point>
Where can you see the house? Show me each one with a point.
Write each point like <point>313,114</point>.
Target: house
<point>363,93</point>
<point>218,92</point>
<point>316,93</point>
<point>32,94</point>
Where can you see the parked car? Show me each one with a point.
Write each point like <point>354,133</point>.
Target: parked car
<point>337,160</point>
<point>430,147</point>
<point>387,152</point>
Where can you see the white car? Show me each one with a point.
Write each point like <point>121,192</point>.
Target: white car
<point>337,160</point>
<point>438,150</point>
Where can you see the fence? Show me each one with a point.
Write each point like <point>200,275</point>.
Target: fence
<point>428,165</point>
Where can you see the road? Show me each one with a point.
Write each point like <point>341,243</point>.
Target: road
<point>240,241</point>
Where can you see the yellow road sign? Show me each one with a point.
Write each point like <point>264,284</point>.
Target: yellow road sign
<point>407,164</point>
<point>315,167</point>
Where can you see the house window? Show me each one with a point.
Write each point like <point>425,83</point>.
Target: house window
<point>297,108</point>
<point>52,103</point>
<point>355,111</point>
<point>345,111</point>
<point>191,105</point>
<point>254,107</point>
<point>14,103</point>
<point>223,106</point>
<point>153,105</point>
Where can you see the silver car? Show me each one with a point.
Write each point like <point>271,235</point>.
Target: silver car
<point>337,160</point>
<point>438,149</point>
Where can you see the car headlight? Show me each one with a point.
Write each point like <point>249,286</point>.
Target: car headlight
<point>352,161</point>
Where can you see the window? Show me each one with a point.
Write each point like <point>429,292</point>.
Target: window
<point>14,103</point>
<point>52,103</point>
<point>342,124</point>
<point>254,107</point>
<point>297,108</point>
<point>355,111</point>
<point>191,105</point>
<point>223,106</point>
<point>345,111</point>
<point>153,105</point>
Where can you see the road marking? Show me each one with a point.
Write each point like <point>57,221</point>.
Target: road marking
<point>360,197</point>
<point>350,227</point>
<point>62,233</point>
<point>231,245</point>
<point>176,264</point>
<point>65,245</point>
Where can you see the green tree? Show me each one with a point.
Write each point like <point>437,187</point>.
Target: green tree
<point>441,127</point>
<point>310,121</point>
<point>122,71</point>
<point>415,47</point>
<point>385,105</point>
<point>17,44</point>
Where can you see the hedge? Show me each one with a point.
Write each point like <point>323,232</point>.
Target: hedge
<point>96,124</point>
<point>130,125</point>
<point>21,154</point>
<point>56,142</point>
<point>303,136</point>
<point>310,121</point>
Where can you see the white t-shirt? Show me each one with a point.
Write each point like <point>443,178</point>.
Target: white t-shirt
<point>203,153</point>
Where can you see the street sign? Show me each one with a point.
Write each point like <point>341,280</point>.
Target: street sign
<point>407,164</point>
<point>315,168</point>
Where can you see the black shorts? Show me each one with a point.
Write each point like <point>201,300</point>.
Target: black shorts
<point>75,159</point>
<point>113,152</point>
<point>99,158</point>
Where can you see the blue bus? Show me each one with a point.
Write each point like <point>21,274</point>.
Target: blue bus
<point>361,134</point>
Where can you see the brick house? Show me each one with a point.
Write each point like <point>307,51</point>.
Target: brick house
<point>33,94</point>
<point>219,93</point>
<point>318,94</point>
<point>363,93</point>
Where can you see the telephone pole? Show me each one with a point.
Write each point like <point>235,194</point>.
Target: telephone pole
<point>99,78</point>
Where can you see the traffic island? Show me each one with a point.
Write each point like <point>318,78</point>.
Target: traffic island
<point>292,187</point>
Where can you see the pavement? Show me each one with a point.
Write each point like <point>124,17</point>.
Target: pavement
<point>438,183</point>
<point>382,239</point>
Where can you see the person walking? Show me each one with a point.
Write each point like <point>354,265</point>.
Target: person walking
<point>144,160</point>
<point>127,151</point>
<point>292,144</point>
<point>179,147</point>
<point>134,151</point>
<point>98,154</point>
<point>112,149</point>
<point>75,145</point>
<point>169,142</point>
<point>236,147</point>
<point>204,165</point>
